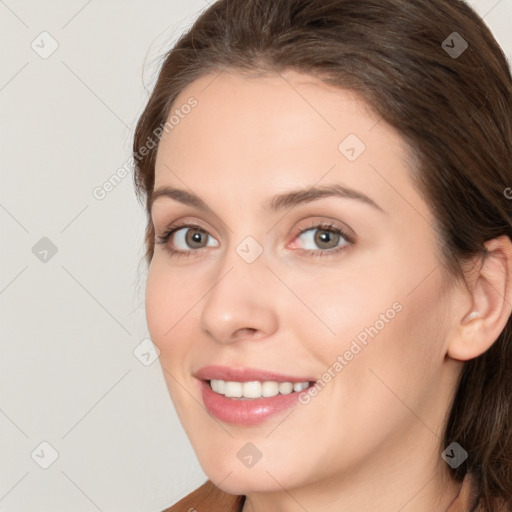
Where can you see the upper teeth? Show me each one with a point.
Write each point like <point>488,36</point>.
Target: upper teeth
<point>255,389</point>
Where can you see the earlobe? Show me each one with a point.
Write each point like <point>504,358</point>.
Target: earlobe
<point>491,297</point>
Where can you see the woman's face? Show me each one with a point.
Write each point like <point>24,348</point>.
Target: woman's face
<point>266,282</point>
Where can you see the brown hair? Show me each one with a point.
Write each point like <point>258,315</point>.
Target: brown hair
<point>454,111</point>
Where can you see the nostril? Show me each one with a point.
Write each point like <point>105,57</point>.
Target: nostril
<point>245,332</point>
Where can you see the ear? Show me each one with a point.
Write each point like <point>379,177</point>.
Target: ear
<point>490,287</point>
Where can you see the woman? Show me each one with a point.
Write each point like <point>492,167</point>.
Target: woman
<point>376,134</point>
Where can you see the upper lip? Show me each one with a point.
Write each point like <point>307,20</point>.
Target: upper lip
<point>245,374</point>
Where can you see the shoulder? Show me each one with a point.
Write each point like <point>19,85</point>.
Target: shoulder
<point>208,497</point>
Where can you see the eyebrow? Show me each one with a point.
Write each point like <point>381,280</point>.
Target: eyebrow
<point>276,203</point>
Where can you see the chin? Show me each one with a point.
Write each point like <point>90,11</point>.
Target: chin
<point>238,485</point>
<point>243,481</point>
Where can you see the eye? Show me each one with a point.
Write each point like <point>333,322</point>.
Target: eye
<point>323,239</point>
<point>192,237</point>
<point>185,239</point>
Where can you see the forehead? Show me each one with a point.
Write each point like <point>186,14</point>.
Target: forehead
<point>290,105</point>
<point>255,133</point>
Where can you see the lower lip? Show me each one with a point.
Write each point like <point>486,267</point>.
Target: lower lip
<point>245,412</point>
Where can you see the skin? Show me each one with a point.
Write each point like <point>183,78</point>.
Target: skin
<point>371,439</point>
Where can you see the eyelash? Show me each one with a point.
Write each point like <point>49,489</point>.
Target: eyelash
<point>163,240</point>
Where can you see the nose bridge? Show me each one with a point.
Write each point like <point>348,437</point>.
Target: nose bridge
<point>240,299</point>
<point>245,254</point>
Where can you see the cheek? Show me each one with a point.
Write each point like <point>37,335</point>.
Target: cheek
<point>343,306</point>
<point>377,321</point>
<point>158,302</point>
<point>169,315</point>
<point>400,360</point>
<point>169,304</point>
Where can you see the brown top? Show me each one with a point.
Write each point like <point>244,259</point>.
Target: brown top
<point>210,498</point>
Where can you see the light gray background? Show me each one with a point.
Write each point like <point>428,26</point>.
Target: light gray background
<point>70,324</point>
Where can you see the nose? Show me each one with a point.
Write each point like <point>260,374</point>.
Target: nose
<point>240,304</point>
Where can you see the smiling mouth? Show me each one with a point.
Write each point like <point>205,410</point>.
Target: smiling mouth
<point>256,389</point>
